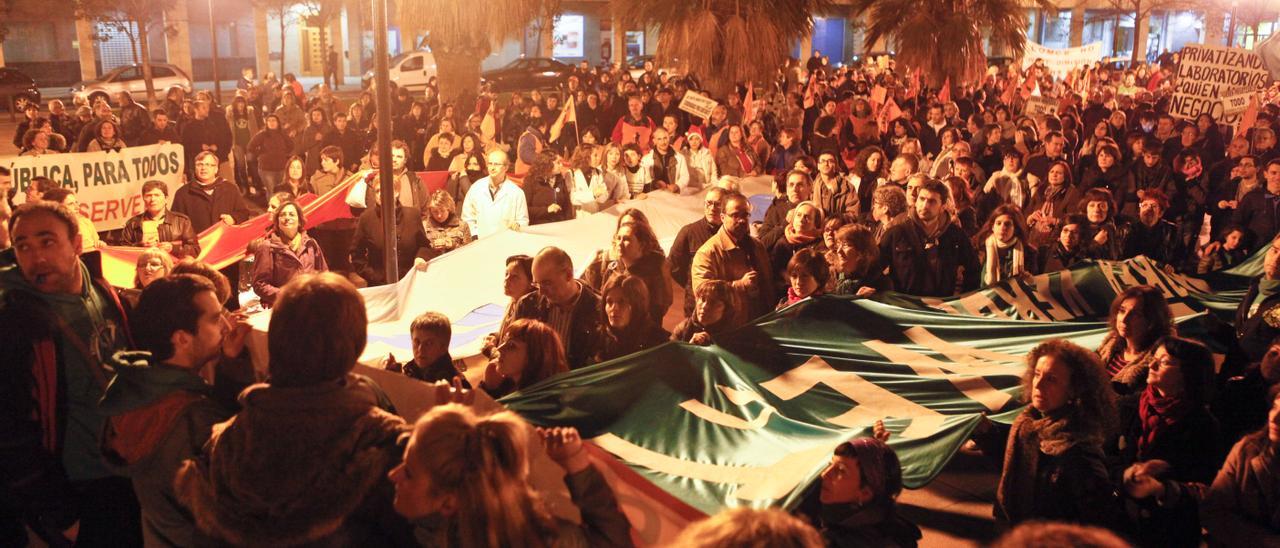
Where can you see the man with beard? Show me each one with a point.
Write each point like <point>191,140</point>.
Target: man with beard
<point>734,256</point>
<point>663,168</point>
<point>930,255</point>
<point>634,127</point>
<point>161,410</point>
<point>61,321</point>
<point>690,239</point>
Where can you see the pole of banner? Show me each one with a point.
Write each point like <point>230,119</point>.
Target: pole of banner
<point>382,100</point>
<point>213,33</point>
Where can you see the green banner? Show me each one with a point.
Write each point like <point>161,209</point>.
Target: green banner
<point>753,420</point>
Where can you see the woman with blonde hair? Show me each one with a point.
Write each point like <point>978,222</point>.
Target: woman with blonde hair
<point>464,482</point>
<point>443,227</point>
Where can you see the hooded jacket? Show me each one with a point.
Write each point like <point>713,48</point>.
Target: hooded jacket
<point>34,396</point>
<point>160,415</point>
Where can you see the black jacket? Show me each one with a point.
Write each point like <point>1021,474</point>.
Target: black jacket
<point>368,246</point>
<point>1259,211</point>
<point>1255,331</point>
<point>205,209</point>
<point>209,131</point>
<point>921,267</point>
<point>175,227</point>
<point>541,195</point>
<point>585,329</point>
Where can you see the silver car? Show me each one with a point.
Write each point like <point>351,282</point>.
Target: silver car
<point>129,78</point>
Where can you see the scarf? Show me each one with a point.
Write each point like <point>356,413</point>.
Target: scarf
<point>991,272</point>
<point>1034,434</point>
<point>1158,414</point>
<point>797,239</point>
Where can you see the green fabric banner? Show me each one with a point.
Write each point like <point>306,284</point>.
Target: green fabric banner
<point>752,420</point>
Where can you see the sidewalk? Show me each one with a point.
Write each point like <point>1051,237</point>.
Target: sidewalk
<point>351,89</point>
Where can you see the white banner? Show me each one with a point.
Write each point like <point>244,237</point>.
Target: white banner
<point>1061,62</point>
<point>1209,74</point>
<point>107,184</point>
<point>697,104</point>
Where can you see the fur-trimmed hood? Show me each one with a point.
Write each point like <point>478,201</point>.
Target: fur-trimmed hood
<point>292,466</point>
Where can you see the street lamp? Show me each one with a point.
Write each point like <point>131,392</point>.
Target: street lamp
<point>213,33</point>
<point>382,100</point>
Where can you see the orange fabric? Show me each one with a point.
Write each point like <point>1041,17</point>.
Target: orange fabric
<point>134,435</point>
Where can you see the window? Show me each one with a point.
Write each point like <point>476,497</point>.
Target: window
<point>161,72</point>
<point>128,74</point>
<point>412,63</point>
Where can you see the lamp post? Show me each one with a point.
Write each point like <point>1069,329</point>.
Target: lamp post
<point>382,99</point>
<point>213,34</point>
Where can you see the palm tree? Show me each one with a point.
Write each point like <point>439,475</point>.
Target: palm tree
<point>463,32</point>
<point>944,38</point>
<point>724,41</point>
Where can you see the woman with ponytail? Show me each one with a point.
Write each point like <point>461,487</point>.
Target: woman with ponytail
<point>464,482</point>
<point>1003,246</point>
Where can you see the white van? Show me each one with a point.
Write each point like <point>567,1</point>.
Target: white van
<point>410,70</point>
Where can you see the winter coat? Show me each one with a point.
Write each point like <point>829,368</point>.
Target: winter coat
<point>338,447</point>
<point>1071,486</point>
<point>541,195</point>
<point>917,268</point>
<point>721,258</point>
<point>175,227</point>
<point>161,415</point>
<point>728,161</point>
<point>276,262</point>
<point>271,147</point>
<point>205,209</point>
<point>447,236</point>
<point>33,387</point>
<point>1259,212</point>
<point>1242,507</point>
<point>368,246</point>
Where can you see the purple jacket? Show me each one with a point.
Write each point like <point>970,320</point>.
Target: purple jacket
<point>275,263</point>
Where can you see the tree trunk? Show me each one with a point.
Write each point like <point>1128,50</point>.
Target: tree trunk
<point>458,69</point>
<point>1141,34</point>
<point>146,66</point>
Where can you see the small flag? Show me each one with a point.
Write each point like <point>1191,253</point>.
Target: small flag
<point>1250,116</point>
<point>568,115</point>
<point>944,94</point>
<point>749,105</point>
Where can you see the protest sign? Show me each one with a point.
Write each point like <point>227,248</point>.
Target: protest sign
<point>1039,105</point>
<point>108,184</point>
<point>697,104</point>
<point>1237,103</point>
<point>1060,62</point>
<point>1209,74</point>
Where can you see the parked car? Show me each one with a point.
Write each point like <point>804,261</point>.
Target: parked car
<point>129,78</point>
<point>526,74</point>
<point>411,70</point>
<point>17,89</point>
<point>635,66</point>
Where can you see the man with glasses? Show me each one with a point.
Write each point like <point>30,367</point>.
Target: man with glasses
<point>208,198</point>
<point>690,239</point>
<point>1259,209</point>
<point>569,306</point>
<point>832,191</point>
<point>495,203</point>
<point>733,256</point>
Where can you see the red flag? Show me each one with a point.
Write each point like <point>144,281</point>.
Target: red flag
<point>887,115</point>
<point>915,85</point>
<point>567,115</point>
<point>944,94</point>
<point>1010,88</point>
<point>1250,116</point>
<point>222,245</point>
<point>749,105</point>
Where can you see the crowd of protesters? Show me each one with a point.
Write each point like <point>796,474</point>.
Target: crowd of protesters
<point>131,415</point>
